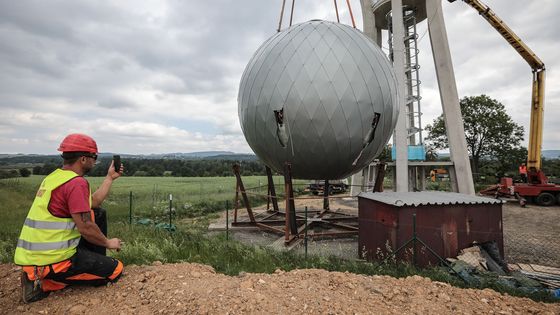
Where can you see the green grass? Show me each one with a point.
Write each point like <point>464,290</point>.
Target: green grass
<point>192,197</point>
<point>197,198</point>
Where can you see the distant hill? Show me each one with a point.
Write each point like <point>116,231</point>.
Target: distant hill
<point>234,157</point>
<point>547,154</point>
<point>203,155</point>
<point>190,155</point>
<point>174,155</point>
<point>28,158</point>
<point>551,154</point>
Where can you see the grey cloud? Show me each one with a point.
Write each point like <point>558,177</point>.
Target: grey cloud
<point>107,57</point>
<point>115,103</point>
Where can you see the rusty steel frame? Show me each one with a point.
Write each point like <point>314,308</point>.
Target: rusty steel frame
<point>326,189</point>
<point>239,187</point>
<point>293,221</point>
<point>271,191</point>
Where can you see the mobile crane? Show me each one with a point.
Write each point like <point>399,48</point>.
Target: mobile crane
<point>537,186</point>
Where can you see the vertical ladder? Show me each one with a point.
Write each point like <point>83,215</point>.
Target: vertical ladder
<point>414,110</point>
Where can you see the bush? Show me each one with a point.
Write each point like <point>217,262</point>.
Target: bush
<point>24,172</point>
<point>37,170</point>
<point>48,168</point>
<point>8,174</point>
<point>440,186</point>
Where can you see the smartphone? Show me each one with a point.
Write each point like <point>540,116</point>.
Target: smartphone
<point>117,162</point>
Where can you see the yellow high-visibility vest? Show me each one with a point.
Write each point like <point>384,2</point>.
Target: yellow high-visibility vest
<point>46,239</point>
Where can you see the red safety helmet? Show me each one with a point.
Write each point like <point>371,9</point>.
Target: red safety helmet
<point>78,142</point>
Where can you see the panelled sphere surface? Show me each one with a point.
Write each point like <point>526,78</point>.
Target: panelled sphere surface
<point>320,95</point>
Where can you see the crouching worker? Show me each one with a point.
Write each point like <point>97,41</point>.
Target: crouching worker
<point>63,240</point>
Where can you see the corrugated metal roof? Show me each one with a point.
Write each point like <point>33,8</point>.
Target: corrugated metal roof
<point>424,198</point>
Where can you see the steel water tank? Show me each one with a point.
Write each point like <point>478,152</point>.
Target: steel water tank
<point>321,96</point>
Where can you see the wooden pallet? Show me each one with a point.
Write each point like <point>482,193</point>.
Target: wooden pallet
<point>549,276</point>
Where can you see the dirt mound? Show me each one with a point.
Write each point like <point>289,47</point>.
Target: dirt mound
<point>198,289</point>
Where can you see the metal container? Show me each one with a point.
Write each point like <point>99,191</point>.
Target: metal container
<point>321,96</point>
<point>446,222</point>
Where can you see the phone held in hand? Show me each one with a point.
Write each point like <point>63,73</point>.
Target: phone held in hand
<point>117,162</point>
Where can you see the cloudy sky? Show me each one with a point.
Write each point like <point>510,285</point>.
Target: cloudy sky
<point>162,76</point>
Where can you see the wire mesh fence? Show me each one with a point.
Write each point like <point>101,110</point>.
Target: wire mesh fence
<point>532,248</point>
<point>520,246</point>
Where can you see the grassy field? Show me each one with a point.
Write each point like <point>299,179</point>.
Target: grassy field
<point>150,195</point>
<point>193,197</point>
<point>196,201</point>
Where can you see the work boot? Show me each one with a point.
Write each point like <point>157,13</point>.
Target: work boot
<point>31,291</point>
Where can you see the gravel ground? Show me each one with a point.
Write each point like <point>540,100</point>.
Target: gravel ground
<point>197,289</point>
<point>531,234</point>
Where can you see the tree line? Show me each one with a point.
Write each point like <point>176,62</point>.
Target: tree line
<point>166,167</point>
<point>493,139</point>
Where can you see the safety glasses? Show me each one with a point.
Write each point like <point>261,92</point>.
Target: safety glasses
<point>91,155</point>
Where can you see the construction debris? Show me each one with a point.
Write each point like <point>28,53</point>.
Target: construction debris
<point>481,262</point>
<point>548,276</point>
<point>478,257</point>
<point>473,257</point>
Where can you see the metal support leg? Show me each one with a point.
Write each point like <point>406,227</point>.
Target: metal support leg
<point>271,190</point>
<point>291,223</point>
<point>379,177</point>
<point>241,188</point>
<point>326,195</point>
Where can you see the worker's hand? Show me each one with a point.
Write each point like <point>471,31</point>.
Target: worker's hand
<point>111,172</point>
<point>114,243</point>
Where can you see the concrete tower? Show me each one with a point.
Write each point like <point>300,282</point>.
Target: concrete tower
<point>375,15</point>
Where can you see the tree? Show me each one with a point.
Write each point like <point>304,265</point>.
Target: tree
<point>37,170</point>
<point>6,174</point>
<point>551,168</point>
<point>506,163</point>
<point>48,168</point>
<point>24,172</point>
<point>489,130</point>
<point>431,152</point>
<point>510,158</point>
<point>385,155</point>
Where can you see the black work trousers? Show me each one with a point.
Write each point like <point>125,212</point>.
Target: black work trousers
<point>90,265</point>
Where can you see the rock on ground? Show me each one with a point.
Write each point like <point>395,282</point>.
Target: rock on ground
<point>198,289</point>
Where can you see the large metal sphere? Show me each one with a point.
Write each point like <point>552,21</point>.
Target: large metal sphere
<point>310,95</point>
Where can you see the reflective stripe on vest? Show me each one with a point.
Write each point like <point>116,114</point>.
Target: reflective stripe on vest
<point>46,239</point>
<point>45,225</point>
<point>48,246</point>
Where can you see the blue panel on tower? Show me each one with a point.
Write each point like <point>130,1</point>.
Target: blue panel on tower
<point>415,153</point>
